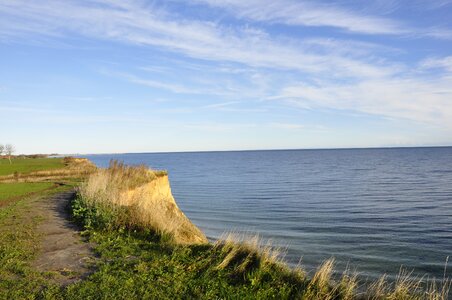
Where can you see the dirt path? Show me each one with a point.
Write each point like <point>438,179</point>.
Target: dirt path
<point>63,251</point>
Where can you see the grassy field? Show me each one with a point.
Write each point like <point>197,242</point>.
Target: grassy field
<point>27,165</point>
<point>10,190</point>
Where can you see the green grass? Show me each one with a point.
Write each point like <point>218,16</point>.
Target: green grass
<point>27,165</point>
<point>19,243</point>
<point>134,266</point>
<point>9,190</point>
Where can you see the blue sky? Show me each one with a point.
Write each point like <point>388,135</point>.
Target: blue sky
<point>107,76</point>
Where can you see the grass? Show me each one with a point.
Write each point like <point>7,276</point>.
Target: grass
<point>27,165</point>
<point>20,189</point>
<point>142,265</point>
<point>66,168</point>
<point>137,266</point>
<point>19,243</point>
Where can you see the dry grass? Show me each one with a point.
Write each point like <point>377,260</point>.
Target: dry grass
<point>73,167</point>
<point>107,185</point>
<point>321,286</point>
<point>247,252</point>
<point>139,198</point>
<point>408,286</point>
<point>245,255</point>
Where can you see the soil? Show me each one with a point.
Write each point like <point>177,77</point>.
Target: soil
<point>63,251</point>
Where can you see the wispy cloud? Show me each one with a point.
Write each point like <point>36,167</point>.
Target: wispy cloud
<point>88,98</point>
<point>219,127</point>
<point>444,63</point>
<point>36,115</point>
<point>289,126</point>
<point>142,25</point>
<point>191,88</point>
<point>319,14</point>
<point>309,14</point>
<point>221,105</point>
<point>428,101</point>
<point>297,126</point>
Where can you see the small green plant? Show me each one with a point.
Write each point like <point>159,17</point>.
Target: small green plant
<point>98,215</point>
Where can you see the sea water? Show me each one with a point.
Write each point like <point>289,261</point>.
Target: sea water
<point>374,210</point>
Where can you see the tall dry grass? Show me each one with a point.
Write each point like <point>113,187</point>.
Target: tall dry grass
<point>244,254</point>
<point>408,286</point>
<point>107,184</point>
<point>247,252</point>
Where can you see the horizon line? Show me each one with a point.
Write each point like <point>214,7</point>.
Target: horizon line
<point>252,150</point>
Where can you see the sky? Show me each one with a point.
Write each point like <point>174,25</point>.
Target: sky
<point>112,76</point>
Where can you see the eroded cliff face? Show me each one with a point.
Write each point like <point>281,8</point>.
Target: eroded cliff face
<point>158,208</point>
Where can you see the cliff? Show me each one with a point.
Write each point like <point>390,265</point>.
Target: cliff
<point>137,197</point>
<point>158,208</point>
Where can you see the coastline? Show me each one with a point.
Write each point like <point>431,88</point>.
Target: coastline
<point>141,252</point>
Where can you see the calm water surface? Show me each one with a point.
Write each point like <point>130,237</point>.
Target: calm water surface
<point>374,209</point>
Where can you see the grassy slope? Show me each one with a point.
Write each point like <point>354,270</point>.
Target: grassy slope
<point>24,165</point>
<point>9,190</point>
<point>139,267</point>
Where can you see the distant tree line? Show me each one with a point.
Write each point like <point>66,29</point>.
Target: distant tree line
<point>7,150</point>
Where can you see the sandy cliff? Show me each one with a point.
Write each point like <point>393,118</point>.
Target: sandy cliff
<point>158,208</point>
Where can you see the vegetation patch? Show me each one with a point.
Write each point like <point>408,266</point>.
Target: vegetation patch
<point>19,243</point>
<point>28,165</point>
<point>66,168</point>
<point>11,190</point>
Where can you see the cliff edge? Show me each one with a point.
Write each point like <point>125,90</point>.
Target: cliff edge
<point>137,197</point>
<point>159,209</point>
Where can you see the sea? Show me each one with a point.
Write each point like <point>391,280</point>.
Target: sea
<point>375,211</point>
